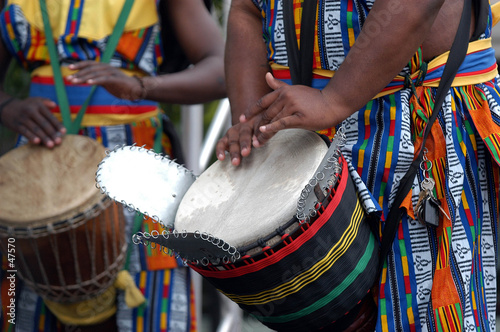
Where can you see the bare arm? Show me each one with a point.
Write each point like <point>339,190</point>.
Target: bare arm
<point>30,117</point>
<point>392,33</point>
<point>246,57</point>
<point>246,66</point>
<point>202,42</point>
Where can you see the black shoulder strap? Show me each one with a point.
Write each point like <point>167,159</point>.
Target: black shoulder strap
<point>455,59</point>
<point>481,11</point>
<point>300,60</point>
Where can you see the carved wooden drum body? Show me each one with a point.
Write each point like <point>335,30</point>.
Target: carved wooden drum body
<point>69,238</point>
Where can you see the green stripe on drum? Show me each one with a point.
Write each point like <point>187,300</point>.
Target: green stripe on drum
<point>311,275</point>
<point>360,267</point>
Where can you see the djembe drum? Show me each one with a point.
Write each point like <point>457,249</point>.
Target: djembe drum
<point>69,239</point>
<point>283,235</point>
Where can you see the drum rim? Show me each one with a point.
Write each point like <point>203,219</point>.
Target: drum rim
<point>58,224</point>
<point>89,193</point>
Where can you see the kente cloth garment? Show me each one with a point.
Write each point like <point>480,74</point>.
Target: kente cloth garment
<point>82,28</point>
<point>435,278</point>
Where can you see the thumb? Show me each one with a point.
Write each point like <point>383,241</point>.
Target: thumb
<point>274,83</point>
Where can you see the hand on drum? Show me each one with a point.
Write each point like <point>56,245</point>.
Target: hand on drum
<point>287,106</point>
<point>237,141</point>
<point>33,119</point>
<point>109,77</point>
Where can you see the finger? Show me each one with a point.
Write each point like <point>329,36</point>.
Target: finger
<point>260,106</point>
<point>239,143</point>
<point>272,113</point>
<point>245,140</point>
<point>274,83</point>
<point>34,134</point>
<point>261,138</point>
<point>43,124</point>
<point>47,113</point>
<point>81,64</point>
<point>24,131</point>
<point>42,129</point>
<point>266,132</point>
<point>52,127</point>
<point>221,148</point>
<point>88,72</point>
<point>280,123</point>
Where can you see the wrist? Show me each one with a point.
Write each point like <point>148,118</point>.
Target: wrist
<point>140,92</point>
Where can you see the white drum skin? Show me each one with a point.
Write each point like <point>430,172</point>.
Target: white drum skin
<point>240,204</point>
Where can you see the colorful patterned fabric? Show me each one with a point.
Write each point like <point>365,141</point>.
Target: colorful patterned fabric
<point>436,278</point>
<point>23,34</point>
<point>112,121</point>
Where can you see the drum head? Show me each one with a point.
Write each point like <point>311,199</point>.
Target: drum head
<point>241,204</point>
<point>40,185</point>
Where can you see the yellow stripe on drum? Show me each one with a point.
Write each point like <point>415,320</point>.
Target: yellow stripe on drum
<point>309,276</point>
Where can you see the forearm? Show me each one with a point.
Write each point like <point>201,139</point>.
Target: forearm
<point>386,43</point>
<point>200,83</point>
<point>201,40</point>
<point>245,58</point>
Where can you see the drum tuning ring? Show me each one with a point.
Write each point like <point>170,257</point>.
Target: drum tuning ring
<point>155,234</point>
<point>232,250</point>
<point>197,234</point>
<point>313,182</point>
<point>226,248</point>
<point>205,261</point>
<point>320,176</point>
<point>184,234</point>
<point>136,239</point>
<point>225,260</point>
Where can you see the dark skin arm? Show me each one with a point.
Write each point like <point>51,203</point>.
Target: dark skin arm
<point>362,75</point>
<point>246,64</point>
<point>202,43</point>
<point>30,117</point>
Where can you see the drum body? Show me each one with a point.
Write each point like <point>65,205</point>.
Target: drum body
<point>69,239</point>
<point>291,274</point>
